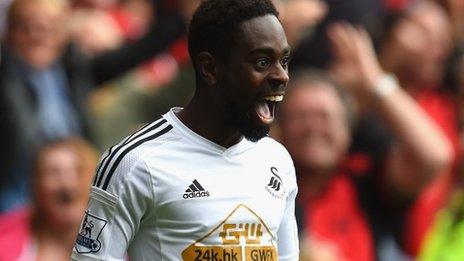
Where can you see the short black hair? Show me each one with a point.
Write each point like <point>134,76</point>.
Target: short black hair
<point>215,23</point>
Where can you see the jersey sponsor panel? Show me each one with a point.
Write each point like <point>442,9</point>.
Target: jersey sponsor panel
<point>241,236</point>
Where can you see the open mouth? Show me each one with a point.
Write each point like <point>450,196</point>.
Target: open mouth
<point>265,108</point>
<point>66,197</point>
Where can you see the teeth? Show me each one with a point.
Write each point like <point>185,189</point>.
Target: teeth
<point>276,98</point>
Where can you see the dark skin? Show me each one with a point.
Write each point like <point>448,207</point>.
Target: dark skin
<point>256,70</point>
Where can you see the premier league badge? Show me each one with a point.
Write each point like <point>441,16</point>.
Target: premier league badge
<point>87,239</point>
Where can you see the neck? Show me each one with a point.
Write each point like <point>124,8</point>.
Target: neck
<point>51,234</point>
<point>54,244</point>
<point>208,119</point>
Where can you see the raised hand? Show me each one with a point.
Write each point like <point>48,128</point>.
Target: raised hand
<point>355,63</point>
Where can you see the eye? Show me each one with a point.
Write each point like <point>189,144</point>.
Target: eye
<point>285,61</point>
<point>262,63</point>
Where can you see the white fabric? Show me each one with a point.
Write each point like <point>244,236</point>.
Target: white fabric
<point>241,212</point>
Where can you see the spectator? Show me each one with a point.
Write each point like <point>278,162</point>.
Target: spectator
<point>415,49</point>
<point>313,49</point>
<point>445,238</point>
<point>46,229</point>
<point>44,82</point>
<point>315,122</point>
<point>94,30</point>
<point>143,94</point>
<point>357,216</point>
<point>416,45</point>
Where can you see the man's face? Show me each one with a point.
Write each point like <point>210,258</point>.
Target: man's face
<point>37,33</point>
<point>314,127</point>
<point>255,77</point>
<point>61,186</point>
<point>423,42</point>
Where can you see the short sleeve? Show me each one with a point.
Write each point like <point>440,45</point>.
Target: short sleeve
<point>113,217</point>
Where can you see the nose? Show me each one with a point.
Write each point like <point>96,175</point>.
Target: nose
<point>69,179</point>
<point>279,76</point>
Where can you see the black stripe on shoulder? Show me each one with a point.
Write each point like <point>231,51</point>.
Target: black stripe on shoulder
<point>126,140</point>
<point>101,164</point>
<point>138,143</point>
<point>102,173</point>
<point>144,130</point>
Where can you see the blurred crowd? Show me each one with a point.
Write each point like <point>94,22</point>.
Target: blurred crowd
<point>373,117</point>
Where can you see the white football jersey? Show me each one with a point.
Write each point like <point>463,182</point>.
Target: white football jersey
<point>166,193</point>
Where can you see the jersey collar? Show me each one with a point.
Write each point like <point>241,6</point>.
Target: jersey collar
<point>238,148</point>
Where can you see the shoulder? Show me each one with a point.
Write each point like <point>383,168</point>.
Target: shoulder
<point>126,160</point>
<point>275,152</point>
<point>274,149</point>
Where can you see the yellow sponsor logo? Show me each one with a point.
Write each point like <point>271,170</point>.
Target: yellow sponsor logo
<point>218,253</point>
<point>233,240</point>
<point>231,253</point>
<point>262,253</point>
<point>232,233</point>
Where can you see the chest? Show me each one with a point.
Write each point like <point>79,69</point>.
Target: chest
<point>221,195</point>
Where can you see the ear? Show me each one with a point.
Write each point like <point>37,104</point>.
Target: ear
<point>207,68</point>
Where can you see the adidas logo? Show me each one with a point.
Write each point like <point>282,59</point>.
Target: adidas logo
<point>195,190</point>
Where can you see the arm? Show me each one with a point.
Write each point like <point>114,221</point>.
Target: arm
<point>113,216</point>
<point>422,150</point>
<point>300,16</point>
<point>287,235</point>
<point>112,64</point>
